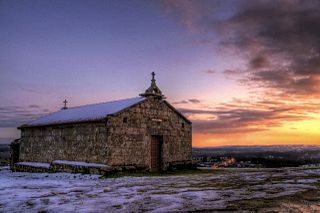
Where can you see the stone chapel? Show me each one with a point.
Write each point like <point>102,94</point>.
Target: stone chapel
<point>145,132</point>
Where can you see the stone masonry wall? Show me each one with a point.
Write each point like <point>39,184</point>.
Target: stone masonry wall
<point>75,142</point>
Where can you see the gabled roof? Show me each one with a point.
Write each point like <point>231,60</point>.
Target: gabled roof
<point>85,113</point>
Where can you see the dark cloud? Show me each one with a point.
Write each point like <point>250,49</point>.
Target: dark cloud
<point>280,40</point>
<point>14,116</point>
<point>34,106</point>
<point>210,71</point>
<point>232,73</point>
<point>258,62</point>
<point>180,102</point>
<point>236,120</point>
<point>192,101</point>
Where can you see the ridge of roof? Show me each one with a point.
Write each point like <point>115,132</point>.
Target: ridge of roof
<point>105,102</point>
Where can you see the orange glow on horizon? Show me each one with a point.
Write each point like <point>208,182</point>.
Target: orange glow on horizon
<point>207,140</point>
<point>304,132</point>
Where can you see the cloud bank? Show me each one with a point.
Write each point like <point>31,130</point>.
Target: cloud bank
<point>278,42</point>
<point>14,116</point>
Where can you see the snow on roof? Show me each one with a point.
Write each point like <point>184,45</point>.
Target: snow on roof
<point>85,113</point>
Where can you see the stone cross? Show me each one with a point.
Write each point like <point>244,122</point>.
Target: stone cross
<point>65,104</point>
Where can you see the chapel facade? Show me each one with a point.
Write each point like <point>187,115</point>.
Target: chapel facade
<point>145,132</point>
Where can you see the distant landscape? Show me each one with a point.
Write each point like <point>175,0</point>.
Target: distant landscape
<point>4,154</point>
<point>6,140</point>
<point>257,156</point>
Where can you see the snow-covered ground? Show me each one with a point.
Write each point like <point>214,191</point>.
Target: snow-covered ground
<point>64,192</point>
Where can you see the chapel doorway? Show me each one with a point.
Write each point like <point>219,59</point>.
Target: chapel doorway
<point>156,153</point>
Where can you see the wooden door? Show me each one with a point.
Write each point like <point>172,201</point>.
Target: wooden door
<point>156,146</point>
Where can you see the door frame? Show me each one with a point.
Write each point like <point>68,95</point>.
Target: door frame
<point>159,138</point>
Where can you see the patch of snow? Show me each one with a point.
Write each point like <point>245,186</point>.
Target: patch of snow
<point>80,163</point>
<point>86,112</point>
<point>34,164</point>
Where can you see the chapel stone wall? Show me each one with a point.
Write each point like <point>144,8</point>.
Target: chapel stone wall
<point>75,142</point>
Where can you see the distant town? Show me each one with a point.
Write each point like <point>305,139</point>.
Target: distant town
<point>257,156</point>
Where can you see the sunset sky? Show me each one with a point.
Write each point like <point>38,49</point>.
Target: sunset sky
<point>246,72</point>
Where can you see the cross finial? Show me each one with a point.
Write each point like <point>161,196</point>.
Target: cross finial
<point>153,74</point>
<point>65,104</point>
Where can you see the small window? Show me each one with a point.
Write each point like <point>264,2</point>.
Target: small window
<point>125,120</point>
<point>182,125</point>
